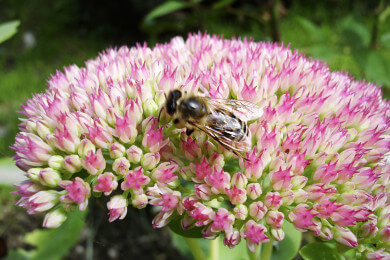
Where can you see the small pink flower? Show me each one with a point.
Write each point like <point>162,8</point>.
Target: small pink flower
<point>254,234</point>
<point>281,179</point>
<point>168,201</point>
<point>203,169</point>
<point>190,148</point>
<point>326,173</point>
<point>153,139</point>
<point>106,183</point>
<point>326,208</point>
<point>99,134</point>
<point>223,219</point>
<point>33,150</point>
<point>26,189</point>
<point>117,207</point>
<point>218,180</point>
<point>165,172</point>
<point>94,163</point>
<point>302,217</point>
<point>202,214</point>
<point>78,192</point>
<point>134,154</point>
<point>236,195</point>
<point>253,166</point>
<point>135,180</point>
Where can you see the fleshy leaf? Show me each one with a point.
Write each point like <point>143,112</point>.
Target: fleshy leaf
<point>320,251</point>
<point>288,248</point>
<point>164,9</point>
<point>56,243</point>
<point>175,226</point>
<point>8,29</point>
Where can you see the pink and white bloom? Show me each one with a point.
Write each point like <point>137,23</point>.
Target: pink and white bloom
<point>78,192</point>
<point>106,183</point>
<point>117,207</point>
<point>318,154</point>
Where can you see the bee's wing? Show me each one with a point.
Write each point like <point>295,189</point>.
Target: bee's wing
<point>242,109</point>
<point>238,148</point>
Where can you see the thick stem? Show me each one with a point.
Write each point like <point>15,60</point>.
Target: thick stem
<point>266,251</point>
<point>214,246</point>
<point>255,255</point>
<point>195,249</point>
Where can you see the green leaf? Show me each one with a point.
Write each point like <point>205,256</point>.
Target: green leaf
<point>385,40</point>
<point>8,29</point>
<point>55,243</point>
<point>320,251</point>
<point>222,3</point>
<point>315,32</point>
<point>289,246</point>
<point>165,8</point>
<point>175,226</point>
<point>356,34</point>
<point>374,65</point>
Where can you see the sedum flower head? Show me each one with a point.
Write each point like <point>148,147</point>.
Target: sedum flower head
<point>319,155</point>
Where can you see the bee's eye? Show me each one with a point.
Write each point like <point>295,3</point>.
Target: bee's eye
<point>176,121</point>
<point>176,94</point>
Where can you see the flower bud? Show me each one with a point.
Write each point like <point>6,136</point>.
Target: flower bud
<point>298,182</point>
<point>150,160</point>
<point>254,190</point>
<point>300,196</point>
<point>257,210</point>
<point>134,154</point>
<point>345,236</point>
<point>49,177</point>
<point>139,201</point>
<point>117,150</point>
<point>85,147</point>
<point>150,107</point>
<point>121,165</point>
<point>240,212</point>
<point>239,180</point>
<point>274,219</point>
<point>203,192</point>
<point>56,162</point>
<point>42,129</point>
<point>54,218</point>
<point>42,201</point>
<point>72,163</point>
<point>33,173</point>
<point>232,238</point>
<point>277,234</point>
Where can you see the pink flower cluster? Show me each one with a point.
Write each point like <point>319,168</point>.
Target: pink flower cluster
<point>319,154</point>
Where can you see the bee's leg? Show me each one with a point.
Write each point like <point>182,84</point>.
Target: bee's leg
<point>159,115</point>
<point>189,131</point>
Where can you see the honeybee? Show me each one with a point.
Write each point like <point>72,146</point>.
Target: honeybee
<point>225,120</point>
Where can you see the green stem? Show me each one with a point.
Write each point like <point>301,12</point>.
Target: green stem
<point>267,251</point>
<point>214,246</point>
<point>195,249</point>
<point>255,255</point>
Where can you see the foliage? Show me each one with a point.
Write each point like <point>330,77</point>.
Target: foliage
<point>52,244</point>
<point>8,29</point>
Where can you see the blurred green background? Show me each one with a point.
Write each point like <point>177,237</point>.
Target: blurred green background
<point>352,36</point>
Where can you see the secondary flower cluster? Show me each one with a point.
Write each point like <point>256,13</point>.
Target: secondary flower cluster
<point>317,159</point>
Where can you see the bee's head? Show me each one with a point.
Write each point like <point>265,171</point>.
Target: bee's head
<point>171,103</point>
